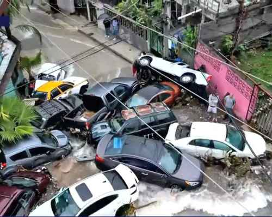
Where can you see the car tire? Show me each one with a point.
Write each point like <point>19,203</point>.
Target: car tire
<point>122,209</point>
<point>144,76</point>
<point>176,189</point>
<point>187,79</point>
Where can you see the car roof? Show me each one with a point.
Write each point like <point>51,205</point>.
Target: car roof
<point>101,89</point>
<point>7,195</point>
<point>50,85</point>
<point>22,145</point>
<point>90,188</point>
<point>149,91</point>
<point>144,110</point>
<point>142,147</point>
<point>208,130</point>
<point>129,81</point>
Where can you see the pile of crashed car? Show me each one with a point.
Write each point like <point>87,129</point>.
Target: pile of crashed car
<point>136,135</point>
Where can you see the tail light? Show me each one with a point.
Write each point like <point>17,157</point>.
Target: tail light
<point>134,71</point>
<point>3,165</point>
<point>32,85</point>
<point>87,125</point>
<point>209,78</point>
<point>99,159</point>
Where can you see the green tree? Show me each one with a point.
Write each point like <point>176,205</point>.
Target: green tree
<point>15,120</point>
<point>27,63</point>
<point>227,45</point>
<point>190,38</point>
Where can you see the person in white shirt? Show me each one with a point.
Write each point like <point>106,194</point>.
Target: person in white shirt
<point>212,108</point>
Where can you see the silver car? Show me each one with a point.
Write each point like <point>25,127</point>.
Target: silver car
<point>35,150</point>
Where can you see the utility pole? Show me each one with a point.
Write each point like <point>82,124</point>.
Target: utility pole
<point>166,25</point>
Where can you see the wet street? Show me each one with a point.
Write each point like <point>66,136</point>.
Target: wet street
<point>250,194</point>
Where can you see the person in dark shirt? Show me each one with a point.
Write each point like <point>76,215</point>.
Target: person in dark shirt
<point>107,24</point>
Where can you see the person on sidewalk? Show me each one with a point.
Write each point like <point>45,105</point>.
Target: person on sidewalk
<point>107,25</point>
<point>115,28</point>
<point>212,108</point>
<point>229,102</point>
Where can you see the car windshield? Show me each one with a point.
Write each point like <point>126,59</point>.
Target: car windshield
<point>48,139</point>
<point>64,204</point>
<point>170,159</point>
<point>20,181</point>
<point>136,100</point>
<point>235,138</point>
<point>116,124</point>
<point>40,95</point>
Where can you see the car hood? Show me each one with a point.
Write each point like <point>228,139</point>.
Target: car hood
<point>189,169</point>
<point>43,210</point>
<point>61,137</point>
<point>256,142</point>
<point>100,129</point>
<point>39,83</point>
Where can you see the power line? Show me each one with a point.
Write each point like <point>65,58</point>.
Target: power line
<point>174,39</point>
<point>229,115</point>
<point>231,196</point>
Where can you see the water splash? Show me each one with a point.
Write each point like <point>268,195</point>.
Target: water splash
<point>250,194</point>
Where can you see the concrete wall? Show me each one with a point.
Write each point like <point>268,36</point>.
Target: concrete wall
<point>225,79</point>
<point>257,22</point>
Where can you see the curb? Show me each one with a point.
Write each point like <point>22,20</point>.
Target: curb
<point>107,47</point>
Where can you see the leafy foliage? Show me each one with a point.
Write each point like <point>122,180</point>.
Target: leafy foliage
<point>14,7</point>
<point>27,28</point>
<point>227,45</point>
<point>138,12</point>
<point>190,38</point>
<point>15,118</point>
<point>27,63</point>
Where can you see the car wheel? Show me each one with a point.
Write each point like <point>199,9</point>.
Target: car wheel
<point>123,210</point>
<point>186,79</point>
<point>145,61</point>
<point>176,189</point>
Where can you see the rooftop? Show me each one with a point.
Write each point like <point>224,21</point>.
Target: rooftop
<point>7,49</point>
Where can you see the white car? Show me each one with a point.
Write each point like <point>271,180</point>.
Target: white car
<point>204,139</point>
<point>102,194</point>
<point>176,70</point>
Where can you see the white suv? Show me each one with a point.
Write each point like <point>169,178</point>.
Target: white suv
<point>101,194</point>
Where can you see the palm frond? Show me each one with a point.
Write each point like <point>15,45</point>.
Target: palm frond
<point>28,28</point>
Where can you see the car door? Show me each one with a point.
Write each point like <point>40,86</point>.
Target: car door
<point>40,155</point>
<point>220,149</point>
<point>105,206</point>
<point>145,130</point>
<point>21,158</point>
<point>203,147</point>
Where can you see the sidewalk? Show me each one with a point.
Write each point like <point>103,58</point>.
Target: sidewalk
<point>121,49</point>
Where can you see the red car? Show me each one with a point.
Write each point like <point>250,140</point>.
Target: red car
<point>165,91</point>
<point>21,191</point>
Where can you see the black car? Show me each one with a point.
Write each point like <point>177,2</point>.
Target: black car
<point>50,113</point>
<point>156,115</point>
<point>151,160</point>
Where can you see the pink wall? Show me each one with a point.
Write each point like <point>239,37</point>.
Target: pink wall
<point>225,79</point>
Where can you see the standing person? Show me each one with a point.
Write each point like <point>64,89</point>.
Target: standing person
<point>107,25</point>
<point>212,108</point>
<point>229,102</point>
<point>115,28</point>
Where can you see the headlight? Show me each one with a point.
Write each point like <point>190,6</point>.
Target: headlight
<point>191,183</point>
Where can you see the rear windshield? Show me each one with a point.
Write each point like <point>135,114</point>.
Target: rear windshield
<point>93,103</point>
<point>115,146</point>
<point>48,139</point>
<point>116,180</point>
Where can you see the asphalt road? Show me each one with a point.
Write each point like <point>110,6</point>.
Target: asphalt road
<point>61,42</point>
